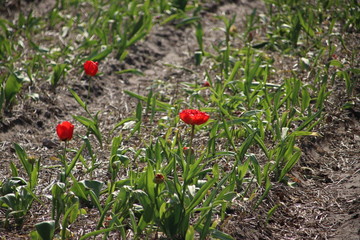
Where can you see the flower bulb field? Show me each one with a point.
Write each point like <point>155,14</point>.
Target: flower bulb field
<point>180,119</point>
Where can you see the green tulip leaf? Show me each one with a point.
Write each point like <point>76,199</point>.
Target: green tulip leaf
<point>46,229</point>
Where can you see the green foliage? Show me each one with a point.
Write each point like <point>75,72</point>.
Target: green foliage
<point>58,73</point>
<point>12,87</point>
<point>31,165</point>
<point>44,230</point>
<point>58,202</point>
<point>90,123</point>
<point>16,194</point>
<point>16,201</point>
<point>64,204</point>
<point>86,190</point>
<point>256,119</point>
<point>180,4</point>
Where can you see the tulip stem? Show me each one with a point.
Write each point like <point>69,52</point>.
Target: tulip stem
<point>88,92</point>
<point>191,143</point>
<point>63,159</point>
<point>64,153</point>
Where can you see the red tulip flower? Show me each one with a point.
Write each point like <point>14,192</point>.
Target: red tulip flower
<point>188,150</point>
<point>159,178</point>
<point>91,68</point>
<point>194,117</point>
<point>206,84</point>
<point>65,131</point>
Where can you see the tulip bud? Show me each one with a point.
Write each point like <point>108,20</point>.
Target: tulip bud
<point>206,84</point>
<point>159,178</point>
<point>187,150</point>
<point>31,159</point>
<point>114,165</point>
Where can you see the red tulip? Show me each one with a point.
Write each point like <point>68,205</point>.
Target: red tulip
<point>91,68</point>
<point>206,84</point>
<point>193,116</point>
<point>159,178</point>
<point>188,150</point>
<point>65,131</point>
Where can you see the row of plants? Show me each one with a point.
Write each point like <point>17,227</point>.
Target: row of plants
<point>51,46</point>
<point>240,116</point>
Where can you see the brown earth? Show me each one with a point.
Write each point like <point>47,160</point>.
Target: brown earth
<point>325,202</point>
